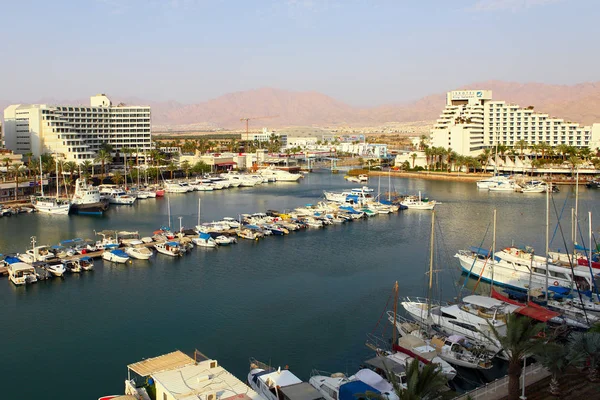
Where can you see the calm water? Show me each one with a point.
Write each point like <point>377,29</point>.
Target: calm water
<point>306,300</point>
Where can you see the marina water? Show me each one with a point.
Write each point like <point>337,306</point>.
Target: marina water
<point>306,300</point>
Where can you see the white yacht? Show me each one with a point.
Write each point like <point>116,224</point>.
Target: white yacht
<point>21,273</point>
<point>471,318</point>
<point>175,187</point>
<point>87,200</point>
<point>280,175</point>
<point>172,249</point>
<point>50,205</point>
<point>535,187</point>
<point>138,250</point>
<point>505,186</point>
<point>491,181</point>
<point>116,256</point>
<point>277,384</point>
<point>204,240</point>
<point>116,195</point>
<point>521,270</point>
<point>417,203</point>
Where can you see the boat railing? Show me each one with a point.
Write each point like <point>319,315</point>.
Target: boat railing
<point>254,363</point>
<point>377,343</point>
<point>400,319</point>
<point>425,301</point>
<point>318,372</point>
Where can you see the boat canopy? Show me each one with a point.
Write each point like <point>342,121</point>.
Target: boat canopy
<point>172,243</point>
<point>375,380</point>
<point>353,390</point>
<point>481,251</point>
<point>11,260</point>
<point>536,312</point>
<point>559,289</point>
<point>204,236</point>
<point>301,391</point>
<point>111,246</point>
<point>119,252</point>
<point>86,258</point>
<point>71,242</point>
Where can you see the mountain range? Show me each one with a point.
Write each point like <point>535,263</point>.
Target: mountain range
<point>578,103</point>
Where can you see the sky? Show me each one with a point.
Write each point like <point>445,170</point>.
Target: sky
<point>362,52</point>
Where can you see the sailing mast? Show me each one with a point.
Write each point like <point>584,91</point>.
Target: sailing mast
<point>493,260</point>
<point>395,329</point>
<point>169,211</point>
<point>547,239</point>
<point>390,184</point>
<point>199,200</point>
<point>57,184</point>
<point>576,209</point>
<point>429,294</point>
<point>42,176</point>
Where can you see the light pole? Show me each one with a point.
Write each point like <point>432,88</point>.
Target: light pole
<point>523,397</point>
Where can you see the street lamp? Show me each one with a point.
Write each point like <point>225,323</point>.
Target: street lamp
<point>523,397</point>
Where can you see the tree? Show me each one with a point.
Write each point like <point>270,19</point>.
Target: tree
<point>103,157</point>
<point>562,149</point>
<point>16,171</point>
<point>584,153</point>
<point>28,155</point>
<point>522,145</point>
<point>520,340</point>
<point>6,161</point>
<point>554,357</point>
<point>171,167</point>
<point>70,167</point>
<point>200,168</point>
<point>414,157</point>
<point>575,163</point>
<point>422,383</point>
<point>106,147</point>
<point>87,167</point>
<point>185,166</point>
<point>584,351</point>
<point>117,178</point>
<point>423,143</point>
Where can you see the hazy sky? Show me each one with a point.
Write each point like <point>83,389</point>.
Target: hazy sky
<point>364,52</point>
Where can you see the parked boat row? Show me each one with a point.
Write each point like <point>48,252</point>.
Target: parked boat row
<point>501,183</point>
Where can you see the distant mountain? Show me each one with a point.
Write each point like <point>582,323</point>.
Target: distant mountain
<point>578,103</point>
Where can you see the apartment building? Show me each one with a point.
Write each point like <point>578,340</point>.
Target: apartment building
<point>77,132</point>
<point>472,121</point>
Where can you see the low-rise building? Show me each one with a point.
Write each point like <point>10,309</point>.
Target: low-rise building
<point>414,158</point>
<point>176,376</point>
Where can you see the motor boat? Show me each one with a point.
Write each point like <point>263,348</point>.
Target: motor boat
<point>37,253</point>
<point>21,273</point>
<point>175,187</point>
<point>204,240</point>
<point>56,268</point>
<point>418,203</point>
<point>73,266</point>
<point>137,249</point>
<point>534,187</point>
<point>172,249</point>
<point>338,386</point>
<point>223,240</point>
<point>117,196</point>
<point>50,205</point>
<point>86,263</point>
<point>504,186</point>
<point>276,384</point>
<point>87,200</point>
<point>492,181</point>
<point>117,256</point>
<point>279,175</point>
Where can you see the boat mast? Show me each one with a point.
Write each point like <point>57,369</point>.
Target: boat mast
<point>199,200</point>
<point>493,261</point>
<point>169,211</point>
<point>576,209</point>
<point>429,294</point>
<point>395,329</point>
<point>125,166</point>
<point>547,239</point>
<point>41,176</point>
<point>57,185</point>
<point>390,184</point>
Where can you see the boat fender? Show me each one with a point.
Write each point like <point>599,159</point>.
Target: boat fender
<point>555,283</point>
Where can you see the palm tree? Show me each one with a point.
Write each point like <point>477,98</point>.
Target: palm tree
<point>584,350</point>
<point>17,170</point>
<point>428,155</point>
<point>185,166</point>
<point>554,357</point>
<point>562,149</point>
<point>28,155</point>
<point>422,383</point>
<point>585,153</point>
<point>520,340</point>
<point>422,143</point>
<point>70,167</point>
<point>103,157</point>
<point>87,167</point>
<point>575,162</point>
<point>171,168</point>
<point>414,157</point>
<point>522,145</point>
<point>117,178</point>
<point>6,162</point>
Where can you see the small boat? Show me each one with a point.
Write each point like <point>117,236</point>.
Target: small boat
<point>204,240</point>
<point>492,181</point>
<point>352,178</point>
<point>534,187</point>
<point>72,266</point>
<point>86,263</point>
<point>116,256</point>
<point>593,184</point>
<point>248,234</point>
<point>338,386</point>
<point>138,250</point>
<point>21,273</point>
<point>223,240</point>
<point>169,248</point>
<point>117,196</point>
<point>505,186</point>
<point>276,384</point>
<point>417,203</point>
<point>56,268</point>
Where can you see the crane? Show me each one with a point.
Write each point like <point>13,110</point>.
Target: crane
<point>252,118</point>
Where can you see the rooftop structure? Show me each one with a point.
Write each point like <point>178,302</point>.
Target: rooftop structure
<point>76,132</point>
<point>177,376</point>
<point>472,121</point>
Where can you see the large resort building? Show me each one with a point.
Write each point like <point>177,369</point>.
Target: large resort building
<point>76,132</point>
<point>472,121</point>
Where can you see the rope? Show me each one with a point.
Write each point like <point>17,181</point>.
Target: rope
<point>559,218</point>
<point>475,259</point>
<point>382,312</point>
<point>481,274</point>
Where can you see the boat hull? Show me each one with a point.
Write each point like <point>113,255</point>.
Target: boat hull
<point>98,208</point>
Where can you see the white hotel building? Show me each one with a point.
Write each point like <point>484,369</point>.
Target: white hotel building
<point>472,121</point>
<point>76,132</point>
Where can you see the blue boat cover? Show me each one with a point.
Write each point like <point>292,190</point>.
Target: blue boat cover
<point>11,260</point>
<point>353,390</point>
<point>349,209</point>
<point>204,236</point>
<point>559,289</point>
<point>86,258</point>
<point>173,243</point>
<point>481,251</point>
<point>111,246</point>
<point>120,253</point>
<point>249,226</point>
